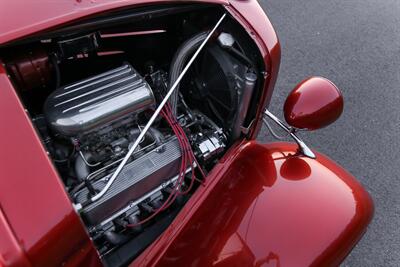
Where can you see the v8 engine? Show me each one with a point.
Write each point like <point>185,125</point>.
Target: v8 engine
<point>100,116</point>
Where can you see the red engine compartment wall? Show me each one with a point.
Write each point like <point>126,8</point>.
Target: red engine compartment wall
<point>32,197</point>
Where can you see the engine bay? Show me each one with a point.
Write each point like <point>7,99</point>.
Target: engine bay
<point>91,87</point>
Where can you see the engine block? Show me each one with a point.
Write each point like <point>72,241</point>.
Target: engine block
<point>137,178</point>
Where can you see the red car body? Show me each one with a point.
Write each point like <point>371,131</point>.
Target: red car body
<point>260,206</point>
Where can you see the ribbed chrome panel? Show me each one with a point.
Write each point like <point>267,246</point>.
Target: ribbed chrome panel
<point>136,179</point>
<point>82,106</point>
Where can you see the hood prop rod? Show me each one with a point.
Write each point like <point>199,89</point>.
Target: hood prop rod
<point>155,114</point>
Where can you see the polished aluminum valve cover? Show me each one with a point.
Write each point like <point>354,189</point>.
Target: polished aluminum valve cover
<point>137,178</point>
<point>80,107</point>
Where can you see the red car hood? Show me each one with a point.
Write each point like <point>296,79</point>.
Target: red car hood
<point>30,16</point>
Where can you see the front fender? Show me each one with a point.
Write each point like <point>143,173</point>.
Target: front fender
<point>269,207</point>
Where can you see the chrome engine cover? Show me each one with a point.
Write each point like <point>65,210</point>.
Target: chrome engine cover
<point>85,105</point>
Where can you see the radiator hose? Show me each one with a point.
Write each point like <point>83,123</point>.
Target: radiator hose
<point>178,63</point>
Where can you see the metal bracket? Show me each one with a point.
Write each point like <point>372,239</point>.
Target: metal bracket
<point>246,130</point>
<point>303,148</point>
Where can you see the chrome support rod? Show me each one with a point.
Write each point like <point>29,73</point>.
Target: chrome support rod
<point>303,148</point>
<point>158,110</point>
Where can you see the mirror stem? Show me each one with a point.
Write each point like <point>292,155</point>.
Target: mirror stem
<point>303,148</point>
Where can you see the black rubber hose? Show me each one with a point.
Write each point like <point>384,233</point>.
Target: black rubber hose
<point>82,170</point>
<point>157,135</point>
<point>178,63</point>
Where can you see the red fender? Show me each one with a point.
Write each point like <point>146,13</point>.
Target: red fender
<point>268,208</point>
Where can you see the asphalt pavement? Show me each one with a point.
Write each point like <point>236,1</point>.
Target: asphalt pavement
<point>356,44</point>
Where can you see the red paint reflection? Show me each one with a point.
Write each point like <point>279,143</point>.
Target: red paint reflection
<point>295,168</point>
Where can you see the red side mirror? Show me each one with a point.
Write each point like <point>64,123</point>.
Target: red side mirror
<point>314,103</point>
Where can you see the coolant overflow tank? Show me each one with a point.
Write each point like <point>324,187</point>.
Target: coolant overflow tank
<point>80,107</point>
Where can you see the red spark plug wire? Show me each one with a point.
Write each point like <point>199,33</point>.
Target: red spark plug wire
<point>188,158</point>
